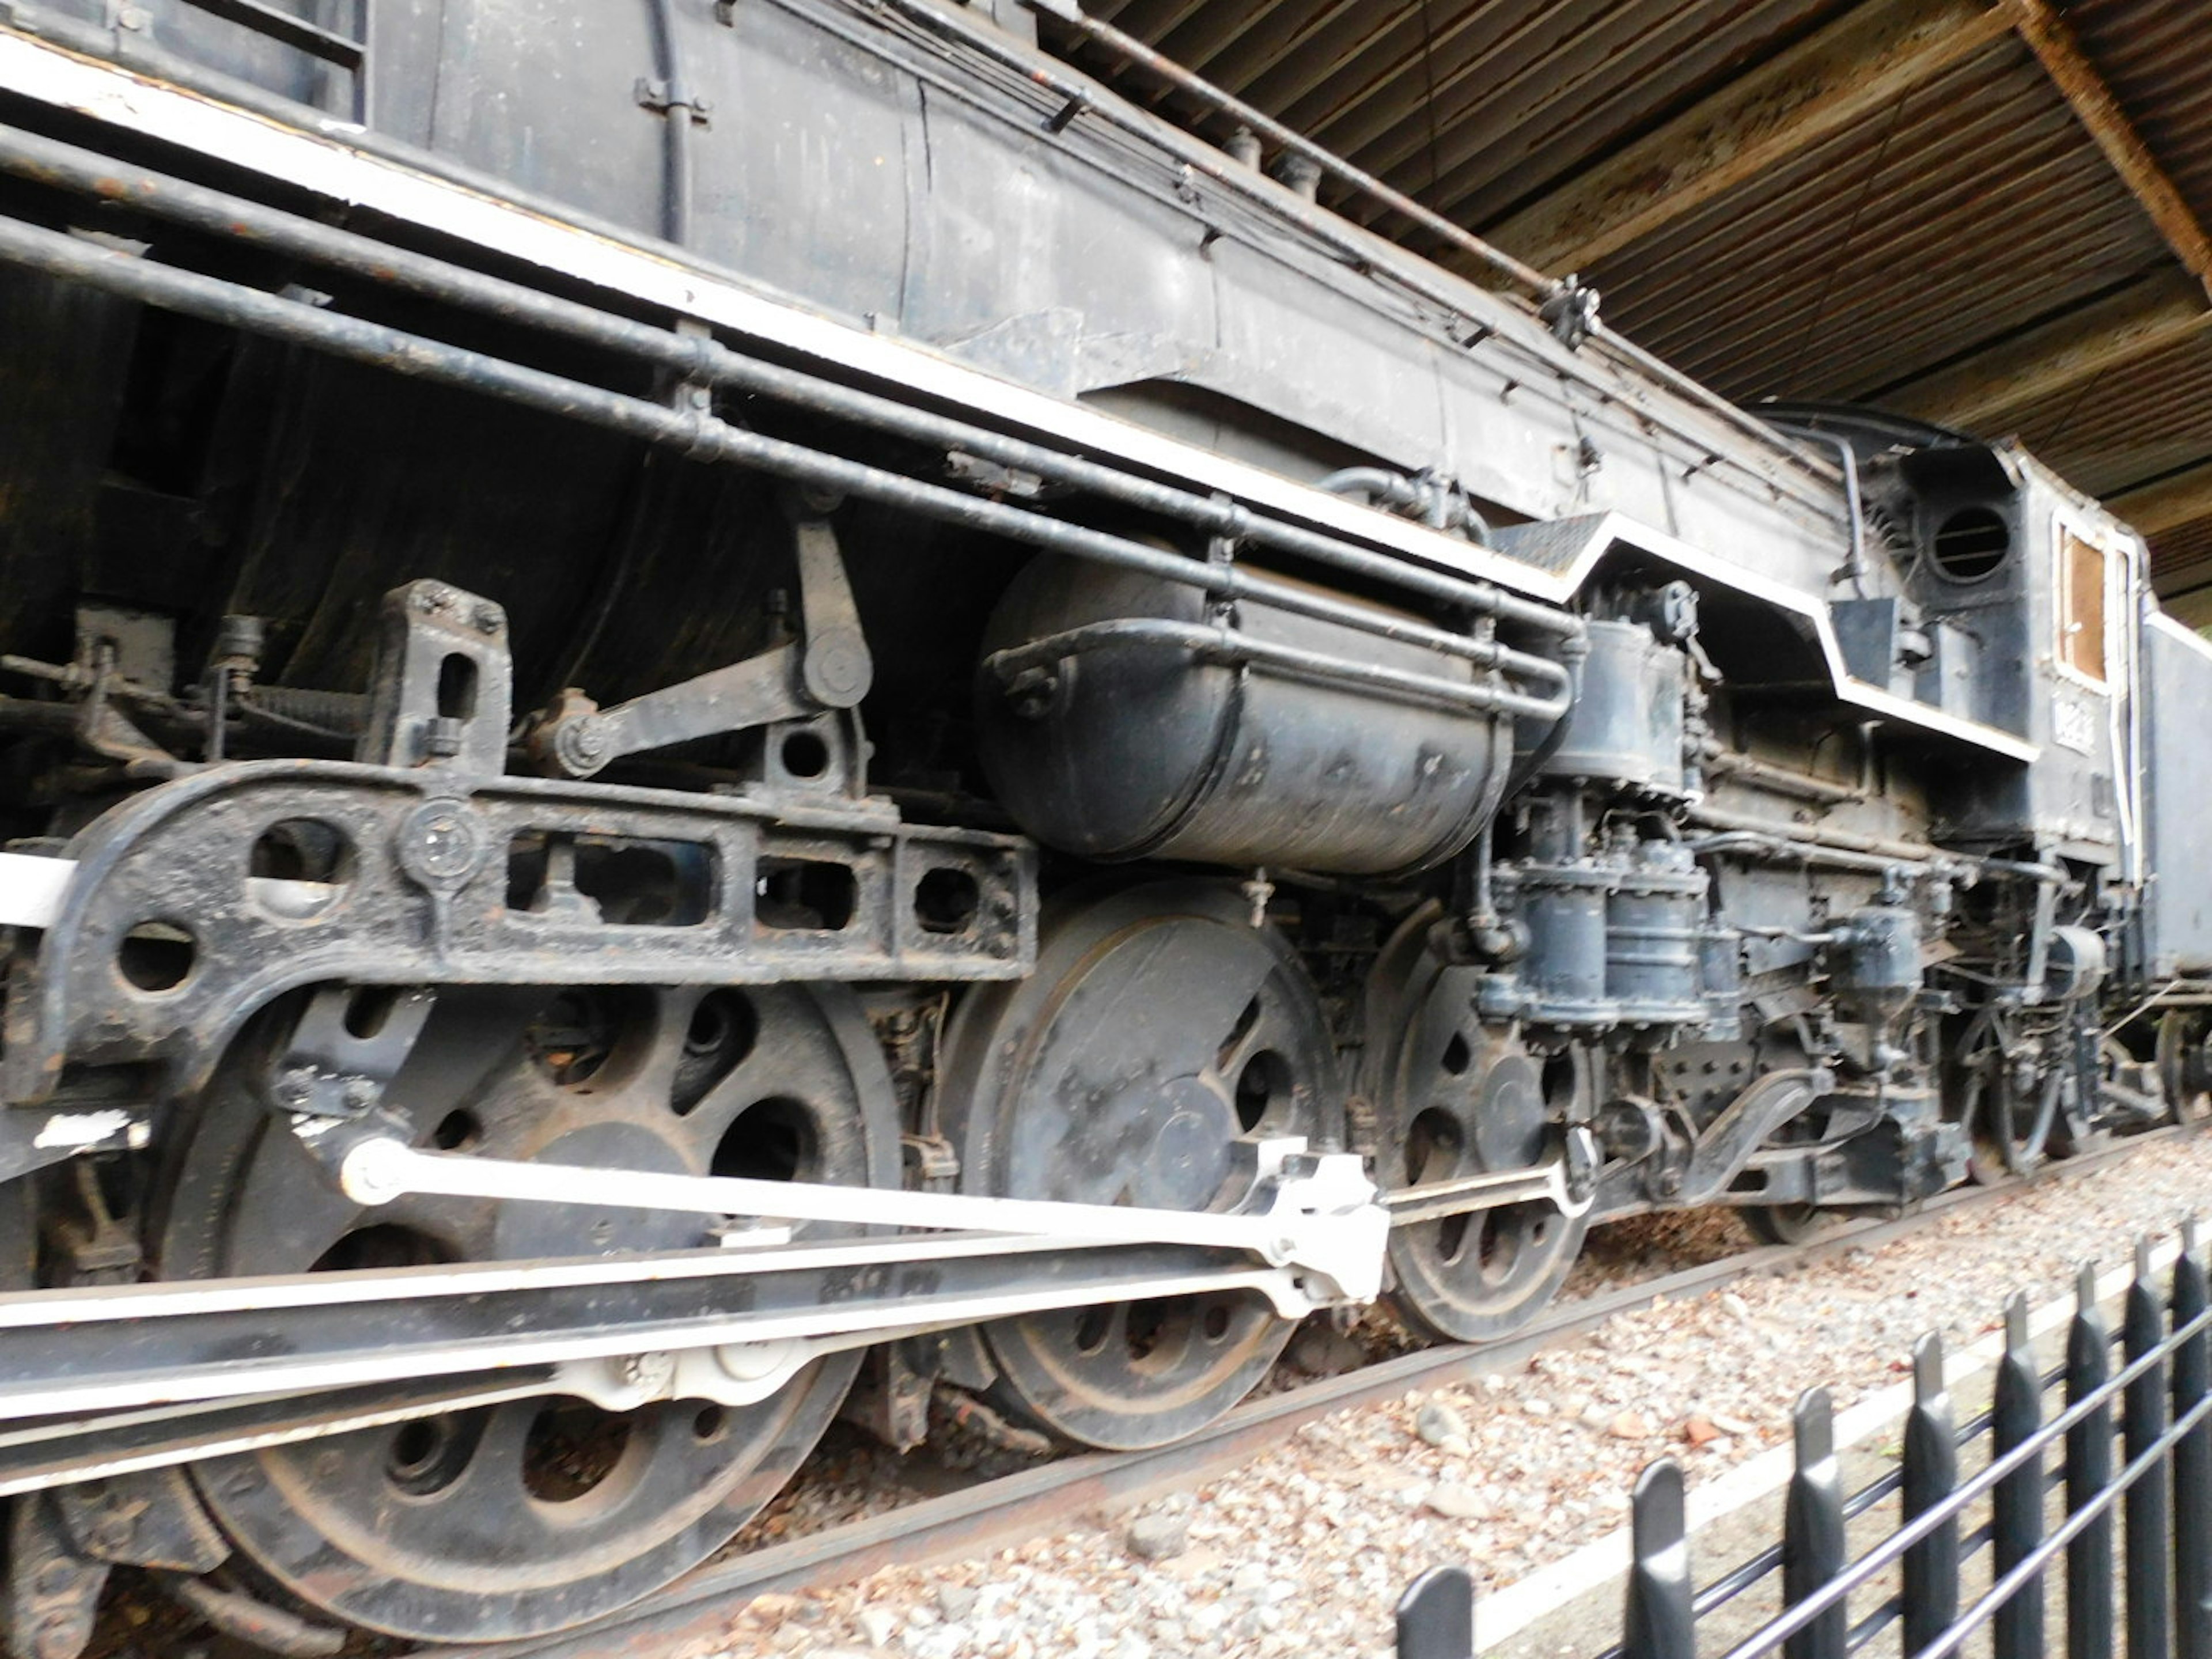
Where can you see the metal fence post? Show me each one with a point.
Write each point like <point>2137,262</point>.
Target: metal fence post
<point>1435,1616</point>
<point>1813,1529</point>
<point>2192,1459</point>
<point>2016,1504</point>
<point>1661,1621</point>
<point>2149,1512</point>
<point>1931,1474</point>
<point>2088,1472</point>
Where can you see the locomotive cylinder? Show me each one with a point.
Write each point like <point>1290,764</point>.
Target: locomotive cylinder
<point>1140,746</point>
<point>1565,907</point>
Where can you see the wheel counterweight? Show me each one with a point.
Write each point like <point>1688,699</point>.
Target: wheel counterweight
<point>530,1516</point>
<point>1160,1029</point>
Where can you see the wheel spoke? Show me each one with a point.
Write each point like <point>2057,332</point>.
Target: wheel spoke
<point>1454,1097</point>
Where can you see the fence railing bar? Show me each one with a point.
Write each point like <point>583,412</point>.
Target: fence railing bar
<point>2016,1504</point>
<point>2089,1556</point>
<point>2192,1458</point>
<point>1930,1475</point>
<point>2139,1398</point>
<point>1747,1574</point>
<point>2148,1509</point>
<point>2065,1533</point>
<point>1881,1555</point>
<point>1662,1616</point>
<point>1813,1542</point>
<point>1875,1623</point>
<point>1435,1616</point>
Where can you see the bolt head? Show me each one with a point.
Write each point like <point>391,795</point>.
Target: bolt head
<point>588,738</point>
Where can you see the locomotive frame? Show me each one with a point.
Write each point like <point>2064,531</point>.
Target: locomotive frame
<point>1317,846</point>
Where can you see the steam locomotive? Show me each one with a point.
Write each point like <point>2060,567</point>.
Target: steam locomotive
<point>721,710</point>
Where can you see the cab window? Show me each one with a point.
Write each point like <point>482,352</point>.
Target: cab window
<point>2083,578</point>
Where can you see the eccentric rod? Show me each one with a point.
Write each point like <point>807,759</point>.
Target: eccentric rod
<point>697,359</point>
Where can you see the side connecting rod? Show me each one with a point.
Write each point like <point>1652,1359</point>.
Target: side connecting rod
<point>81,1353</point>
<point>1315,1214</point>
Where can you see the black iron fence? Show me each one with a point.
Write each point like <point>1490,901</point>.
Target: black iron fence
<point>2090,1495</point>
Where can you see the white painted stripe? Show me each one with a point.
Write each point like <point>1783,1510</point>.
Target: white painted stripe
<point>31,889</point>
<point>1507,1613</point>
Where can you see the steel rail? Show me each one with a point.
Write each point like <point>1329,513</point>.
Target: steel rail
<point>697,359</point>
<point>1012,1509</point>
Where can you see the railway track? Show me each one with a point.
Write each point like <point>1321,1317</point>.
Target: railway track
<point>995,1513</point>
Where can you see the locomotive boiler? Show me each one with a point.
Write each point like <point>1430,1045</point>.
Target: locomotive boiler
<point>717,711</point>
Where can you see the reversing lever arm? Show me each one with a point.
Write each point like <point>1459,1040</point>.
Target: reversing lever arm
<point>828,668</point>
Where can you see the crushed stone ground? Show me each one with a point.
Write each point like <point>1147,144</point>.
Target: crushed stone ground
<point>1305,1550</point>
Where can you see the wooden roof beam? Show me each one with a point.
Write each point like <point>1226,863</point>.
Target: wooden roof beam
<point>2178,499</point>
<point>1979,392</point>
<point>1858,66</point>
<point>2092,102</point>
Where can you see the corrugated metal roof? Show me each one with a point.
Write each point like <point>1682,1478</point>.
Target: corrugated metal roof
<point>2186,560</point>
<point>1951,219</point>
<point>2156,57</point>
<point>1965,211</point>
<point>1471,106</point>
<point>2150,419</point>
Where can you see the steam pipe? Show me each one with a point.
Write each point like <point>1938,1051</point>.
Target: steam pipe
<point>1854,570</point>
<point>235,220</point>
<point>1441,506</point>
<point>1227,645</point>
<point>677,111</point>
<point>693,433</point>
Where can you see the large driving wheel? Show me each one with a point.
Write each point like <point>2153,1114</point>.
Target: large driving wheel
<point>1160,1029</point>
<point>2184,1063</point>
<point>1456,1097</point>
<point>530,1516</point>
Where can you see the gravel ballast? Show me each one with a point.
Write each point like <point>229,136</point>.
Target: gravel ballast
<point>1306,1549</point>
